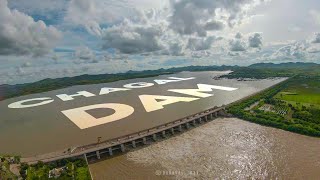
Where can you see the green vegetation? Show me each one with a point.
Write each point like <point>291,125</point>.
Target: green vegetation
<point>258,71</point>
<point>10,91</point>
<point>82,173</point>
<point>269,70</point>
<point>6,161</point>
<point>5,172</point>
<point>305,93</point>
<point>61,170</point>
<point>293,105</point>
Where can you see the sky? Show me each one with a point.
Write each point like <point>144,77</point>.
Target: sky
<point>62,38</point>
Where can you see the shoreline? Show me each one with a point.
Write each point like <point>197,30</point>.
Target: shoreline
<point>53,156</point>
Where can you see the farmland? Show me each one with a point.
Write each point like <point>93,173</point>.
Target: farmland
<point>293,105</point>
<point>302,94</point>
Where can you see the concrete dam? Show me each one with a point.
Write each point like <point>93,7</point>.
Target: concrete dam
<point>123,144</point>
<point>97,151</point>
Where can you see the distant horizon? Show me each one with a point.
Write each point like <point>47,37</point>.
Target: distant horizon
<point>42,39</point>
<point>130,71</point>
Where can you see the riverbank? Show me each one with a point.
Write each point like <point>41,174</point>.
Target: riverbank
<point>272,109</point>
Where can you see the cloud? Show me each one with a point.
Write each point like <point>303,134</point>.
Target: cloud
<point>145,34</point>
<point>94,13</point>
<point>214,26</point>
<point>85,55</point>
<point>238,35</point>
<point>295,51</point>
<point>129,38</point>
<point>237,44</point>
<point>316,38</point>
<point>314,49</point>
<point>303,50</point>
<point>199,16</point>
<point>21,35</point>
<point>200,54</point>
<point>197,44</point>
<point>84,13</point>
<point>51,12</point>
<point>38,6</point>
<point>26,64</point>
<point>255,40</point>
<point>174,48</point>
<point>314,44</point>
<point>177,30</point>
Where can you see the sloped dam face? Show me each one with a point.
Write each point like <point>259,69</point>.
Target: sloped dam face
<point>80,115</point>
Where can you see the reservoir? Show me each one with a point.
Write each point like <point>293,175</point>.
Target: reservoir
<point>44,129</point>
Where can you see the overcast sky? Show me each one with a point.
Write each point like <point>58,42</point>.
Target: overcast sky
<point>57,38</point>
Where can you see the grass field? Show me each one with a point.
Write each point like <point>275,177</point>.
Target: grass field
<point>303,93</point>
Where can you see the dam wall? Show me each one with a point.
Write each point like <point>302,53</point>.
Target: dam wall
<point>96,151</point>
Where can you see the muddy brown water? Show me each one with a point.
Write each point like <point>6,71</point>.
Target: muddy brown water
<point>44,129</point>
<point>221,149</point>
<point>226,148</point>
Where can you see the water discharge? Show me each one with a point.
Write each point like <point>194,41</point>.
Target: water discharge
<point>225,149</point>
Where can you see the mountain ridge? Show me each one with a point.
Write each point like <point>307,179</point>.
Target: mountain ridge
<point>9,91</point>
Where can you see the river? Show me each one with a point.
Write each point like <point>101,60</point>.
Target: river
<point>226,148</point>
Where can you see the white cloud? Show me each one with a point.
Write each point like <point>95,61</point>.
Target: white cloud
<point>314,49</point>
<point>170,31</point>
<point>255,40</point>
<point>200,54</point>
<point>200,16</point>
<point>214,25</point>
<point>36,6</point>
<point>86,54</point>
<point>295,51</point>
<point>131,38</point>
<point>83,53</point>
<point>197,44</point>
<point>237,44</point>
<point>152,34</point>
<point>238,35</point>
<point>316,38</point>
<point>85,13</point>
<point>157,32</point>
<point>240,44</point>
<point>174,48</point>
<point>26,64</point>
<point>314,44</point>
<point>45,9</point>
<point>21,35</point>
<point>94,13</point>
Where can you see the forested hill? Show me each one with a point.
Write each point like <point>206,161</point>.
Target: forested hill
<point>9,91</point>
<point>261,70</point>
<point>285,65</point>
<point>267,70</point>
